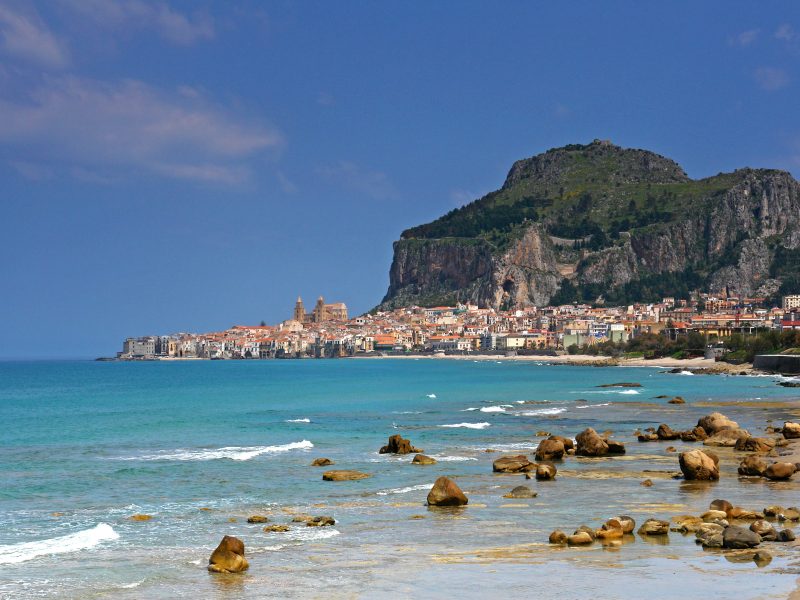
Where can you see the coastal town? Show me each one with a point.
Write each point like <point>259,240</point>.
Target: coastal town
<point>328,332</point>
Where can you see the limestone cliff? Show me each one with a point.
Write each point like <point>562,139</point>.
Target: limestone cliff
<point>589,221</point>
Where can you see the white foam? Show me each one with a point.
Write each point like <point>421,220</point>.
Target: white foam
<point>406,412</point>
<point>405,490</point>
<point>311,534</point>
<point>130,586</point>
<point>442,458</point>
<point>431,395</point>
<point>629,392</point>
<point>684,372</point>
<point>493,409</point>
<point>512,446</point>
<point>468,425</point>
<point>541,411</point>
<point>230,452</point>
<point>80,540</point>
<point>593,405</point>
<point>298,420</point>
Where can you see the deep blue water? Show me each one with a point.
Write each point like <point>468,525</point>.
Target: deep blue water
<point>201,445</point>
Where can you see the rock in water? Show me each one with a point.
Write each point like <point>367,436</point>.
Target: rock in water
<point>665,432</point>
<point>513,464</point>
<point>545,472</point>
<point>568,444</point>
<point>654,527</point>
<point>521,491</point>
<point>759,445</point>
<point>228,557</point>
<point>321,462</point>
<point>558,537</point>
<point>753,466</point>
<point>791,430</point>
<point>738,537</point>
<point>343,475</point>
<point>258,519</point>
<point>398,445</point>
<point>445,492</point>
<point>421,459</point>
<point>696,465</point>
<point>727,438</point>
<point>581,538</point>
<point>550,450</point>
<point>716,422</point>
<point>590,443</point>
<point>779,471</point>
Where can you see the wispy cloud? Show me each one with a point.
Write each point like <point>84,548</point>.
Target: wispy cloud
<point>771,79</point>
<point>130,125</point>
<point>374,184</point>
<point>287,185</point>
<point>745,38</point>
<point>786,33</point>
<point>25,36</point>
<point>172,25</point>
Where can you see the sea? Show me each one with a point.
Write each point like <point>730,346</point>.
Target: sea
<point>200,446</point>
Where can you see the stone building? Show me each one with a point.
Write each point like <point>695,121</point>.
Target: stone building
<point>322,312</point>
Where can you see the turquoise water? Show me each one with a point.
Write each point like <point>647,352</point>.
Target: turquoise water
<point>202,445</point>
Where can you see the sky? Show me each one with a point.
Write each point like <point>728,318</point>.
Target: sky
<point>188,166</point>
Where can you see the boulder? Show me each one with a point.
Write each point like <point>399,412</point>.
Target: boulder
<point>738,537</point>
<point>568,443</point>
<point>744,514</point>
<point>711,516</point>
<point>607,533</point>
<point>719,504</point>
<point>615,447</point>
<point>676,400</point>
<point>321,462</point>
<point>558,537</point>
<point>697,465</point>
<point>320,521</point>
<point>791,430</point>
<point>276,528</point>
<point>228,557</point>
<point>686,524</point>
<point>421,459</point>
<point>709,529</point>
<point>785,535</point>
<point>398,445</point>
<point>726,438</point>
<point>581,538</point>
<point>258,519</point>
<point>344,475</point>
<point>789,514</point>
<point>589,443</point>
<point>753,466</point>
<point>759,445</point>
<point>779,471</point>
<point>711,540</point>
<point>445,492</point>
<point>647,483</point>
<point>647,437</point>
<point>697,434</point>
<point>628,524</point>
<point>773,511</point>
<point>654,527</point>
<point>550,450</point>
<point>586,529</point>
<point>764,529</point>
<point>513,464</point>
<point>665,432</point>
<point>716,422</point>
<point>521,491</point>
<point>545,472</point>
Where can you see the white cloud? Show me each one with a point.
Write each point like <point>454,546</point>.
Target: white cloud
<point>745,38</point>
<point>129,125</point>
<point>25,36</point>
<point>374,184</point>
<point>786,33</point>
<point>771,78</point>
<point>172,25</point>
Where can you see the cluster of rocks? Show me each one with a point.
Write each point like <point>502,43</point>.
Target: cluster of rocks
<point>399,445</point>
<point>713,430</point>
<point>611,532</point>
<point>713,528</point>
<point>521,464</point>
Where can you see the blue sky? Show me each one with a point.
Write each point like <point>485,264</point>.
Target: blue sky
<point>188,166</point>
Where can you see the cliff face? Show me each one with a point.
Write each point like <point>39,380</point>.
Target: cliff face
<point>581,222</point>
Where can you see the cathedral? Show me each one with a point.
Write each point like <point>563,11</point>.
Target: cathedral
<point>322,312</point>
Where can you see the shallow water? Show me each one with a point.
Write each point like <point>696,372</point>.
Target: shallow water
<point>202,445</point>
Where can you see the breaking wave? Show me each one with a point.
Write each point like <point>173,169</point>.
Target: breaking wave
<point>229,452</point>
<point>80,540</point>
<point>468,425</point>
<point>404,490</point>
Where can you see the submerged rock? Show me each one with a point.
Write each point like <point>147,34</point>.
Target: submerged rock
<point>676,400</point>
<point>344,475</point>
<point>521,491</point>
<point>320,521</point>
<point>139,517</point>
<point>445,492</point>
<point>398,445</point>
<point>258,519</point>
<point>228,557</point>
<point>321,462</point>
<point>421,459</point>
<point>276,528</point>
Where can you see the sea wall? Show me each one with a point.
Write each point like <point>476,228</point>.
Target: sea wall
<point>777,363</point>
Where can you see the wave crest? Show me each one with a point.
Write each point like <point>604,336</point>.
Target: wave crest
<point>80,540</point>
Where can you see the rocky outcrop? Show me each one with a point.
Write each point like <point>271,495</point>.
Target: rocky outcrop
<point>513,464</point>
<point>398,445</point>
<point>697,465</point>
<point>508,248</point>
<point>343,475</point>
